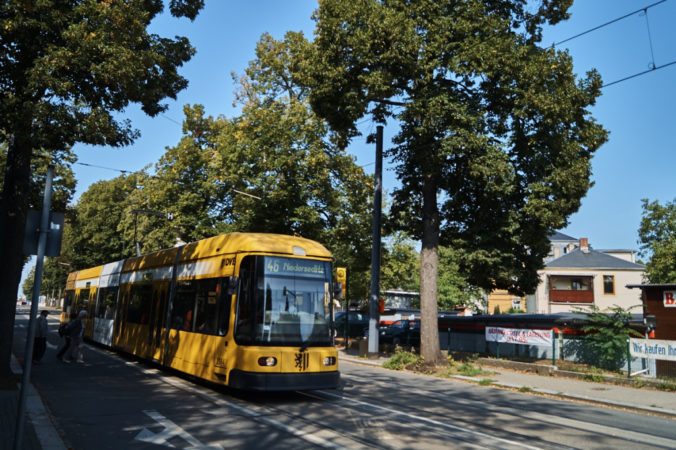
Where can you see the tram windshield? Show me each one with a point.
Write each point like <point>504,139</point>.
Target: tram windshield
<point>283,301</point>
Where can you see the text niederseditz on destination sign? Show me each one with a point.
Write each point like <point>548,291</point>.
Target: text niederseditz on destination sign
<point>653,348</point>
<point>295,267</point>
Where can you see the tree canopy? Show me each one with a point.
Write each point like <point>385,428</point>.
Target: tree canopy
<point>65,69</point>
<point>657,236</point>
<point>495,139</point>
<point>272,168</point>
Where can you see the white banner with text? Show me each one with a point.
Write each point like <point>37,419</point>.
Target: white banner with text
<point>519,336</point>
<point>652,348</point>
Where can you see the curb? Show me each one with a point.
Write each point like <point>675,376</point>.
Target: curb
<point>35,409</point>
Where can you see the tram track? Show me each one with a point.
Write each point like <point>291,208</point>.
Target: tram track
<point>498,414</point>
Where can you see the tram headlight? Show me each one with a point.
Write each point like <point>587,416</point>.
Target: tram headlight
<point>330,361</point>
<point>267,361</point>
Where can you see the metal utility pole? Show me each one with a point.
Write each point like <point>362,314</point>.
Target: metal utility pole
<point>28,352</point>
<point>374,307</point>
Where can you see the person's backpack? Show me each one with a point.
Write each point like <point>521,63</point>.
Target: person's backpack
<point>63,329</point>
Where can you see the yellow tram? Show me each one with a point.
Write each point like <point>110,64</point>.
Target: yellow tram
<point>246,310</point>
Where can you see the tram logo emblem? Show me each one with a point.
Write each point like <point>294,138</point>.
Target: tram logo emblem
<point>302,360</point>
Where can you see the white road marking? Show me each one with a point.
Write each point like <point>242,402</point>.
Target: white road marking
<point>171,430</point>
<point>431,421</point>
<point>252,414</point>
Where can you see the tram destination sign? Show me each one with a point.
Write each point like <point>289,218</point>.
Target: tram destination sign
<point>295,267</point>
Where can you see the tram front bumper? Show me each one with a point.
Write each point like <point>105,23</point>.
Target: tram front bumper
<point>283,381</point>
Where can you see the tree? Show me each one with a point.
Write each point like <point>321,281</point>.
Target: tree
<point>27,287</point>
<point>65,67</point>
<point>453,288</point>
<point>273,168</point>
<point>657,236</point>
<point>93,232</point>
<point>495,142</point>
<point>399,262</point>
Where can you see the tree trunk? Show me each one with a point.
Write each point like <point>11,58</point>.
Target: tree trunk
<point>429,269</point>
<point>12,224</point>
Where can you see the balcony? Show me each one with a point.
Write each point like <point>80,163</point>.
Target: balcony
<point>560,296</point>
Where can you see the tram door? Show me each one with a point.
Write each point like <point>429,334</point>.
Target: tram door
<point>158,318</point>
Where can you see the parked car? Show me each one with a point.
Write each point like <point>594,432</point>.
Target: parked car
<point>401,332</point>
<point>357,323</point>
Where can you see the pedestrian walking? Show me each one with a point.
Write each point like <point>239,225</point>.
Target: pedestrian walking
<point>40,341</point>
<point>63,332</point>
<point>76,331</point>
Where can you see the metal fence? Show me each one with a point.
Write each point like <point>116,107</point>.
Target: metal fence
<point>567,347</point>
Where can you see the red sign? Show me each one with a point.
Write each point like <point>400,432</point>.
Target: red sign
<point>668,299</point>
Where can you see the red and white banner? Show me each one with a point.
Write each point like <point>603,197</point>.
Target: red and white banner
<point>519,336</point>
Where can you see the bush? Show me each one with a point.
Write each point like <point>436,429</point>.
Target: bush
<point>401,360</point>
<point>606,336</point>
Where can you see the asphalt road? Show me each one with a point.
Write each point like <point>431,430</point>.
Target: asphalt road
<point>113,402</point>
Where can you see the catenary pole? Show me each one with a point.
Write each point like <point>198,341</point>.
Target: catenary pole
<point>374,310</point>
<point>28,353</point>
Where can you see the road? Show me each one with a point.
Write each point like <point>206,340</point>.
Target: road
<point>113,402</point>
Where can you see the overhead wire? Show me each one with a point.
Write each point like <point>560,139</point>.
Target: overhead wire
<point>652,54</point>
<point>645,8</point>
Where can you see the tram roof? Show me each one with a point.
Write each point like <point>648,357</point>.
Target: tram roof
<point>230,244</point>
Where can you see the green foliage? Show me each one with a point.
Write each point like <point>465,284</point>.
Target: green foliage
<point>93,233</point>
<point>657,236</point>
<point>496,310</point>
<point>595,377</point>
<point>496,139</point>
<point>67,68</point>
<point>273,168</point>
<point>453,289</point>
<point>469,370</point>
<point>27,286</point>
<point>495,124</point>
<point>606,335</point>
<point>400,264</point>
<point>401,359</point>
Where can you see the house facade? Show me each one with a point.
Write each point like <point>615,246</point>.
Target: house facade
<point>581,277</point>
<point>575,277</point>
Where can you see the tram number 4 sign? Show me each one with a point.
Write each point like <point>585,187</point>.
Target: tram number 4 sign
<point>668,299</point>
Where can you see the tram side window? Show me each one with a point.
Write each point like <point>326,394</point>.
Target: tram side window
<point>224,301</point>
<point>82,301</point>
<point>198,307</point>
<point>105,307</point>
<point>139,303</point>
<point>184,303</point>
<point>68,301</point>
<point>245,313</point>
<point>206,307</point>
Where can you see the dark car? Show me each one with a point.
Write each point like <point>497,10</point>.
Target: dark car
<point>401,332</point>
<point>357,323</point>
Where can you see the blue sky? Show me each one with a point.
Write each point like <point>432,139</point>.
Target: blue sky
<point>635,163</point>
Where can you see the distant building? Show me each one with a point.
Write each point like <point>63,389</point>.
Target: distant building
<point>576,276</point>
<point>582,277</point>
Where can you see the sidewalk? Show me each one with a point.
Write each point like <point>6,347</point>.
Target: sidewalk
<point>39,432</point>
<point>641,400</point>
